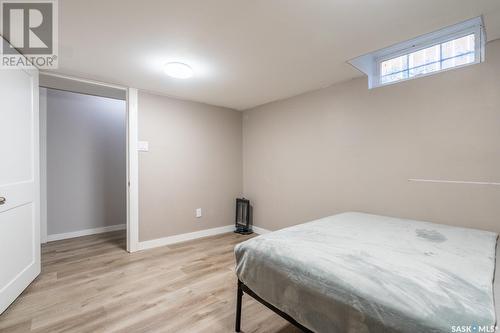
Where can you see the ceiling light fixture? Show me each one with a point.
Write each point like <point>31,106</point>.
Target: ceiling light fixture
<point>178,70</point>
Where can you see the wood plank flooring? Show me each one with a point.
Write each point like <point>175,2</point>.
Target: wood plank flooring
<point>91,284</point>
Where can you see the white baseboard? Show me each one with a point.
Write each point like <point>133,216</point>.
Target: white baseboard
<point>150,244</point>
<point>260,231</point>
<point>184,237</point>
<point>86,232</point>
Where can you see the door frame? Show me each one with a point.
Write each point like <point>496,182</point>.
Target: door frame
<point>132,163</point>
<point>133,170</point>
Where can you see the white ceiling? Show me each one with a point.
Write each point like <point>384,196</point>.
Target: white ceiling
<point>244,52</point>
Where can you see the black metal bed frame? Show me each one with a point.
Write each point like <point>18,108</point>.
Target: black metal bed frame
<point>242,288</point>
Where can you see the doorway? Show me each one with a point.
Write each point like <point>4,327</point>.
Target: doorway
<point>83,138</point>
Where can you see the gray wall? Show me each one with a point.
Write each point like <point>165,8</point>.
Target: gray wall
<point>43,163</point>
<point>194,161</point>
<point>87,88</point>
<point>347,148</point>
<point>86,163</point>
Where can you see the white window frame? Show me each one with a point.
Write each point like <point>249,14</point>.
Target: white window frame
<point>370,63</point>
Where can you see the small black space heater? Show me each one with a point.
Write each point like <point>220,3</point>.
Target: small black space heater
<point>242,224</point>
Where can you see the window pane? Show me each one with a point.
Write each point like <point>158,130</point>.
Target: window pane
<point>424,61</point>
<point>394,69</point>
<point>459,51</point>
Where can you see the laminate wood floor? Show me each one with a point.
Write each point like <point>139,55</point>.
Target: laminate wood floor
<point>91,284</point>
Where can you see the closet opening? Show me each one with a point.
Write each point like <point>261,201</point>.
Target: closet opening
<point>83,157</point>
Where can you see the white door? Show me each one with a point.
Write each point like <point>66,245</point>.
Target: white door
<point>19,183</point>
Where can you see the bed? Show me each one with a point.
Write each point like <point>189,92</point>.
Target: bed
<point>356,272</point>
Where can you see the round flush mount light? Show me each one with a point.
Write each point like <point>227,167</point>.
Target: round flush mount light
<point>178,70</point>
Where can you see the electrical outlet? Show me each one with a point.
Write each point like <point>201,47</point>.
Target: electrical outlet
<point>198,212</point>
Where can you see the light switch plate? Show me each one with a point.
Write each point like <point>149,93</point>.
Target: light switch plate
<point>143,146</point>
<point>198,212</point>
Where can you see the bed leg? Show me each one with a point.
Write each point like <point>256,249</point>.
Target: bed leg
<point>238,307</point>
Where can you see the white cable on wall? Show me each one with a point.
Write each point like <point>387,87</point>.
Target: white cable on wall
<point>453,182</point>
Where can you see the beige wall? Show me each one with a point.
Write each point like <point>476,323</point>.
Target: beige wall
<point>194,161</point>
<point>347,148</point>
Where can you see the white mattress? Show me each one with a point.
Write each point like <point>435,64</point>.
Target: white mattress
<point>357,272</point>
<point>496,285</point>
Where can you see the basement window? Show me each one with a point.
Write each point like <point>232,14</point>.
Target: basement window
<point>452,47</point>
